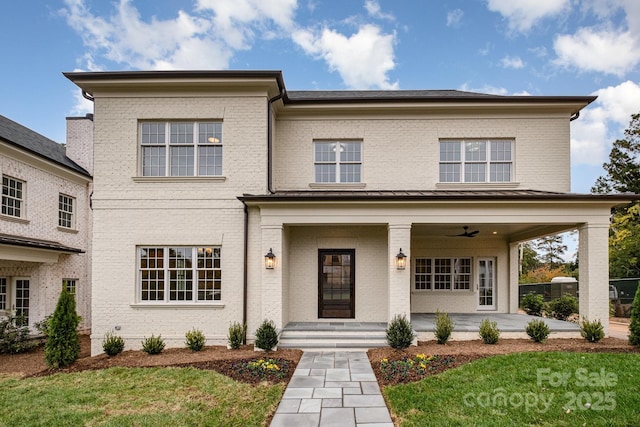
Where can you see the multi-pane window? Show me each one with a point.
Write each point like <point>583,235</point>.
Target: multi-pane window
<point>65,211</point>
<point>442,274</point>
<point>3,293</point>
<point>181,148</point>
<point>12,196</point>
<point>337,161</point>
<point>180,274</point>
<point>476,161</point>
<point>69,285</point>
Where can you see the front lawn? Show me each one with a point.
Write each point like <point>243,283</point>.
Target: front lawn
<point>535,389</point>
<point>136,397</point>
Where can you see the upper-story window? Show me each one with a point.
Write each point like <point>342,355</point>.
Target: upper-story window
<point>181,148</point>
<point>338,161</point>
<point>66,216</point>
<point>476,161</point>
<point>12,196</point>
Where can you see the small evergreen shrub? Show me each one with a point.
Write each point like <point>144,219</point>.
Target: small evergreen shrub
<point>444,327</point>
<point>533,304</point>
<point>399,333</point>
<point>538,330</point>
<point>634,325</point>
<point>489,332</point>
<point>14,335</point>
<point>592,331</point>
<point>563,307</point>
<point>153,344</point>
<point>195,339</point>
<point>62,347</point>
<point>237,335</point>
<point>266,336</point>
<point>112,344</point>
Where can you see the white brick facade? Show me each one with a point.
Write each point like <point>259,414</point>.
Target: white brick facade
<point>268,199</point>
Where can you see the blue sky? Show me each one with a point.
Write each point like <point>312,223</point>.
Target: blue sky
<point>534,47</point>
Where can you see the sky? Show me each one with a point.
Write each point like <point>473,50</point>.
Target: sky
<point>506,47</point>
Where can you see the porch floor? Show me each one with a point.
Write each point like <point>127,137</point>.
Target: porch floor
<point>425,322</point>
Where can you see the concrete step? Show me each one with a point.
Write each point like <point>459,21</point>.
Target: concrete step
<point>323,339</point>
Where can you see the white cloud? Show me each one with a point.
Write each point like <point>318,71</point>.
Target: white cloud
<point>603,122</point>
<point>539,51</point>
<point>363,59</point>
<point>605,51</point>
<point>524,14</point>
<point>374,10</point>
<point>512,62</point>
<point>454,18</point>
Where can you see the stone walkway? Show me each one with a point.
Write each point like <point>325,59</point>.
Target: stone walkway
<point>333,389</point>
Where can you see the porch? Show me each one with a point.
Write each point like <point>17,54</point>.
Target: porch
<point>361,335</point>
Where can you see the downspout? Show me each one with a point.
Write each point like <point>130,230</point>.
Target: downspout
<point>270,141</point>
<point>245,275</point>
<point>574,116</point>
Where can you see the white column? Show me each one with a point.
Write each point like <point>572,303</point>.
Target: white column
<point>399,280</point>
<point>593,254</point>
<point>272,278</point>
<point>514,277</point>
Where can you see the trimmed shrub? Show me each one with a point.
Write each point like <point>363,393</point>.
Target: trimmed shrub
<point>489,332</point>
<point>237,335</point>
<point>592,331</point>
<point>112,344</point>
<point>14,335</point>
<point>266,336</point>
<point>634,326</point>
<point>399,333</point>
<point>562,308</point>
<point>195,339</point>
<point>153,344</point>
<point>533,304</point>
<point>444,327</point>
<point>538,330</point>
<point>62,347</point>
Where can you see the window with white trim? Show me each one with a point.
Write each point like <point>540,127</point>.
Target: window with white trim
<point>66,217</point>
<point>337,161</point>
<point>179,274</point>
<point>70,285</point>
<point>12,196</point>
<point>181,148</point>
<point>476,160</point>
<point>442,274</point>
<point>3,293</point>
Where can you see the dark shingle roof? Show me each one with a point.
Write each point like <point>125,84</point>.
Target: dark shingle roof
<point>23,137</point>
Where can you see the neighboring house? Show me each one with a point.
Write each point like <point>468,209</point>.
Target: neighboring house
<point>45,222</point>
<point>219,196</point>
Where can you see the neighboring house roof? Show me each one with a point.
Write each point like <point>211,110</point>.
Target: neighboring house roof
<point>6,239</point>
<point>19,136</point>
<point>431,195</point>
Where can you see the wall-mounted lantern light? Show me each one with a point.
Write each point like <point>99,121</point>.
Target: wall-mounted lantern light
<point>269,260</point>
<point>401,260</point>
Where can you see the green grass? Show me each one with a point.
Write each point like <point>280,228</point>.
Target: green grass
<point>135,397</point>
<point>526,389</point>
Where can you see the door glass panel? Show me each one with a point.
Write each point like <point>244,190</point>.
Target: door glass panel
<point>22,299</point>
<point>336,284</point>
<point>485,283</point>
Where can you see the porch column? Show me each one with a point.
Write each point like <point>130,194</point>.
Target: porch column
<point>272,294</point>
<point>514,277</point>
<point>593,253</point>
<point>399,280</point>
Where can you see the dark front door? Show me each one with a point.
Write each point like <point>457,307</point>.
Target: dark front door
<point>336,283</point>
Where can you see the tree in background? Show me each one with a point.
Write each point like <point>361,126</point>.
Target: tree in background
<point>623,176</point>
<point>550,250</point>
<point>63,342</point>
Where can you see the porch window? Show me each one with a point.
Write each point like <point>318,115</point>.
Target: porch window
<point>181,148</point>
<point>476,160</point>
<point>442,274</point>
<point>3,293</point>
<point>179,274</point>
<point>337,161</point>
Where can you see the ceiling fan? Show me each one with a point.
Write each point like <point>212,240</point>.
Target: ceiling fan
<point>466,233</point>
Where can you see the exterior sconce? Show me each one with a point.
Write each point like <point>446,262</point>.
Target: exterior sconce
<point>269,260</point>
<point>401,260</point>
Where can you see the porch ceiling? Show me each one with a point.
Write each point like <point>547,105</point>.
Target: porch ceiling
<point>513,232</point>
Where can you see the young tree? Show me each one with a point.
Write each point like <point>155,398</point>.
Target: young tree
<point>63,343</point>
<point>528,258</point>
<point>623,176</point>
<point>550,250</point>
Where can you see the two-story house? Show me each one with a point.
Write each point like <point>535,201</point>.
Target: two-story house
<point>45,222</point>
<point>219,196</point>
